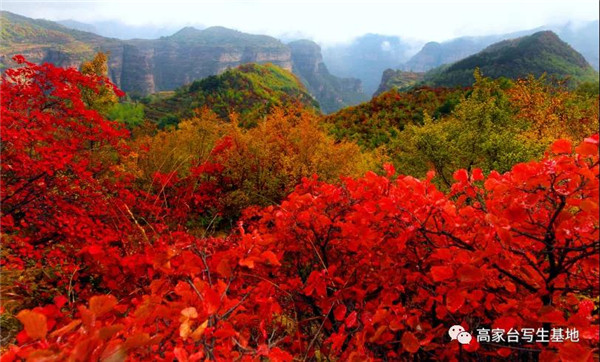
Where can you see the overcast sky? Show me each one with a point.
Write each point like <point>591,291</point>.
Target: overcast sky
<point>327,21</point>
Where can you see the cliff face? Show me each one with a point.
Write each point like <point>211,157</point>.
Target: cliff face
<point>149,66</point>
<point>332,92</point>
<point>176,63</point>
<point>141,66</point>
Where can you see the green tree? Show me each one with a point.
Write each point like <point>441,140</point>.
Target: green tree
<point>482,132</point>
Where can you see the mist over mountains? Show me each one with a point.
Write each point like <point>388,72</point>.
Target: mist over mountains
<point>120,30</point>
<point>367,57</point>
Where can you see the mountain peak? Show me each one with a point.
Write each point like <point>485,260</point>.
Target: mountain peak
<point>540,53</point>
<point>186,32</point>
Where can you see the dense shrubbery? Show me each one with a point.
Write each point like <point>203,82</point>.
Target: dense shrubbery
<point>103,258</point>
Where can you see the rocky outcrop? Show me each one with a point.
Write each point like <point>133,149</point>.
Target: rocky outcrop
<point>333,93</point>
<point>137,74</point>
<point>397,79</point>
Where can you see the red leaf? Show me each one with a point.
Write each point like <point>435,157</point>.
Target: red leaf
<point>339,312</point>
<point>454,300</point>
<point>574,352</point>
<point>351,319</point>
<point>101,304</point>
<point>35,323</point>
<point>410,342</point>
<point>440,273</point>
<point>469,274</point>
<point>461,175</point>
<point>504,352</point>
<point>477,175</point>
<point>561,146</point>
<point>505,323</point>
<point>271,258</point>
<point>248,262</point>
<point>60,300</point>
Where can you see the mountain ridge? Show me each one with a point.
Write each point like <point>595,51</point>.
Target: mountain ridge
<point>145,66</point>
<point>540,53</point>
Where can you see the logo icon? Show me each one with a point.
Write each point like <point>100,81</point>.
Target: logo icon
<point>459,333</point>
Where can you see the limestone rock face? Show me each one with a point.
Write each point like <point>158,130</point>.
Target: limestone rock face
<point>332,92</point>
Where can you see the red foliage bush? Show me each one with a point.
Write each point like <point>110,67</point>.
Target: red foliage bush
<point>375,268</point>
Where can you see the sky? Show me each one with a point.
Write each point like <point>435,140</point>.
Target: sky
<point>326,21</point>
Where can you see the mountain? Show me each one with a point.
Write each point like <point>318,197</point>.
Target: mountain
<point>583,37</point>
<point>78,25</point>
<point>542,52</point>
<point>250,90</point>
<point>145,66</point>
<point>120,30</point>
<point>366,57</point>
<point>46,41</point>
<point>434,54</point>
<point>398,79</point>
<point>141,66</point>
<point>332,92</point>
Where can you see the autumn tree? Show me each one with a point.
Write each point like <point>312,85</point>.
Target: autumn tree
<point>553,111</point>
<point>482,132</point>
<point>103,97</point>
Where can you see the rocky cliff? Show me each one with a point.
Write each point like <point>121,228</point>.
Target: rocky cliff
<point>143,66</point>
<point>332,92</point>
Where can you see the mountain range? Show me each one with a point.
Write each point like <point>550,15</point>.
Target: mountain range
<point>582,37</point>
<point>367,57</point>
<point>540,53</point>
<point>145,66</point>
<point>336,76</point>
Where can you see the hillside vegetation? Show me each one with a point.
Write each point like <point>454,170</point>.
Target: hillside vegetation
<point>537,54</point>
<point>250,91</point>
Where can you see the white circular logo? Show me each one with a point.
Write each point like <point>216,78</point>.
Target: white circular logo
<point>455,330</point>
<point>464,337</point>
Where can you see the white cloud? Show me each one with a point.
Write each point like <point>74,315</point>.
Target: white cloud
<point>326,21</point>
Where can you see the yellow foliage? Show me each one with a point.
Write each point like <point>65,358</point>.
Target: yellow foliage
<point>268,161</point>
<point>553,112</point>
<point>178,149</point>
<point>103,100</point>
